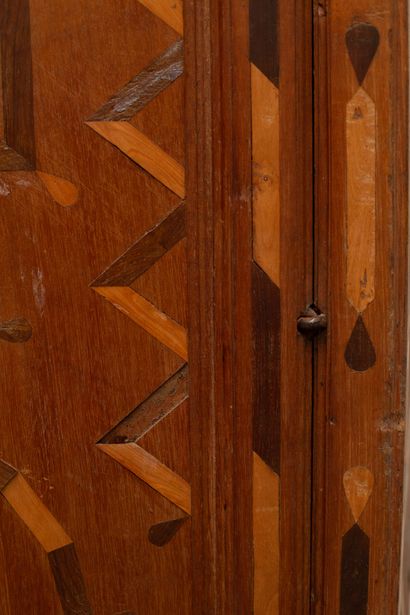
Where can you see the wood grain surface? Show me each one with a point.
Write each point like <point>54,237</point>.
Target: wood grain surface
<point>86,365</point>
<point>361,364</point>
<point>266,538</point>
<point>17,86</point>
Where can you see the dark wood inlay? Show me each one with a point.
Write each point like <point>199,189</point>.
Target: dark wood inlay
<point>360,354</point>
<point>16,331</point>
<point>7,473</point>
<point>162,533</point>
<point>362,41</point>
<point>69,581</point>
<point>17,85</point>
<point>266,331</point>
<point>138,92</point>
<point>354,572</point>
<point>10,160</point>
<point>264,44</point>
<point>146,251</point>
<point>159,404</point>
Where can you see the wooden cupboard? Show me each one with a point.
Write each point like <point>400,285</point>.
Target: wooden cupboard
<point>203,309</point>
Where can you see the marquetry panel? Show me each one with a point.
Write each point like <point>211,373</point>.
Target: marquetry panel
<point>264,58</point>
<point>81,358</point>
<point>362,263</point>
<point>111,121</point>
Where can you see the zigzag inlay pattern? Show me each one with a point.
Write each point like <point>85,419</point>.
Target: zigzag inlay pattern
<point>112,122</point>
<point>114,282</point>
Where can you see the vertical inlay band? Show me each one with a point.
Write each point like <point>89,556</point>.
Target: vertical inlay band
<point>361,199</point>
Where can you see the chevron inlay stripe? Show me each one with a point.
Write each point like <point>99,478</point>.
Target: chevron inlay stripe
<point>150,470</point>
<point>112,123</point>
<point>120,442</point>
<point>145,314</point>
<point>112,120</point>
<point>143,88</point>
<point>266,306</point>
<point>52,537</point>
<point>156,407</point>
<point>114,282</point>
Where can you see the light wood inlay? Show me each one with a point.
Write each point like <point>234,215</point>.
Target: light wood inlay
<point>358,484</point>
<point>35,515</point>
<point>361,199</point>
<point>141,311</point>
<point>266,538</point>
<point>170,11</point>
<point>151,471</point>
<point>144,152</point>
<point>61,190</point>
<point>265,178</point>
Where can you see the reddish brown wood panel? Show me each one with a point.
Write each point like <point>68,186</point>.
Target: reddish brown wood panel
<point>361,235</point>
<point>84,364</point>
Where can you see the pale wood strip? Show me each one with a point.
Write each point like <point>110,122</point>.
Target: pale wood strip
<point>147,316</point>
<point>35,515</point>
<point>266,538</point>
<point>153,472</point>
<point>265,174</point>
<point>361,199</point>
<point>144,152</point>
<point>170,11</point>
<point>64,192</point>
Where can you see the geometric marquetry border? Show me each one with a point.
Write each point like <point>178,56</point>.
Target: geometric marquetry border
<point>362,42</point>
<point>265,88</point>
<point>112,122</point>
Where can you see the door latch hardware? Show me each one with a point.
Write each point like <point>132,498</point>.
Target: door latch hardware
<point>312,322</point>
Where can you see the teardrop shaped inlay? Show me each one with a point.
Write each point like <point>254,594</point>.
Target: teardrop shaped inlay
<point>162,533</point>
<point>360,354</point>
<point>17,330</point>
<point>358,484</point>
<point>362,41</point>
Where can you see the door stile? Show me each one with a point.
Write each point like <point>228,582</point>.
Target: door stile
<point>219,259</point>
<point>320,293</point>
<point>296,185</point>
<point>361,267</point>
